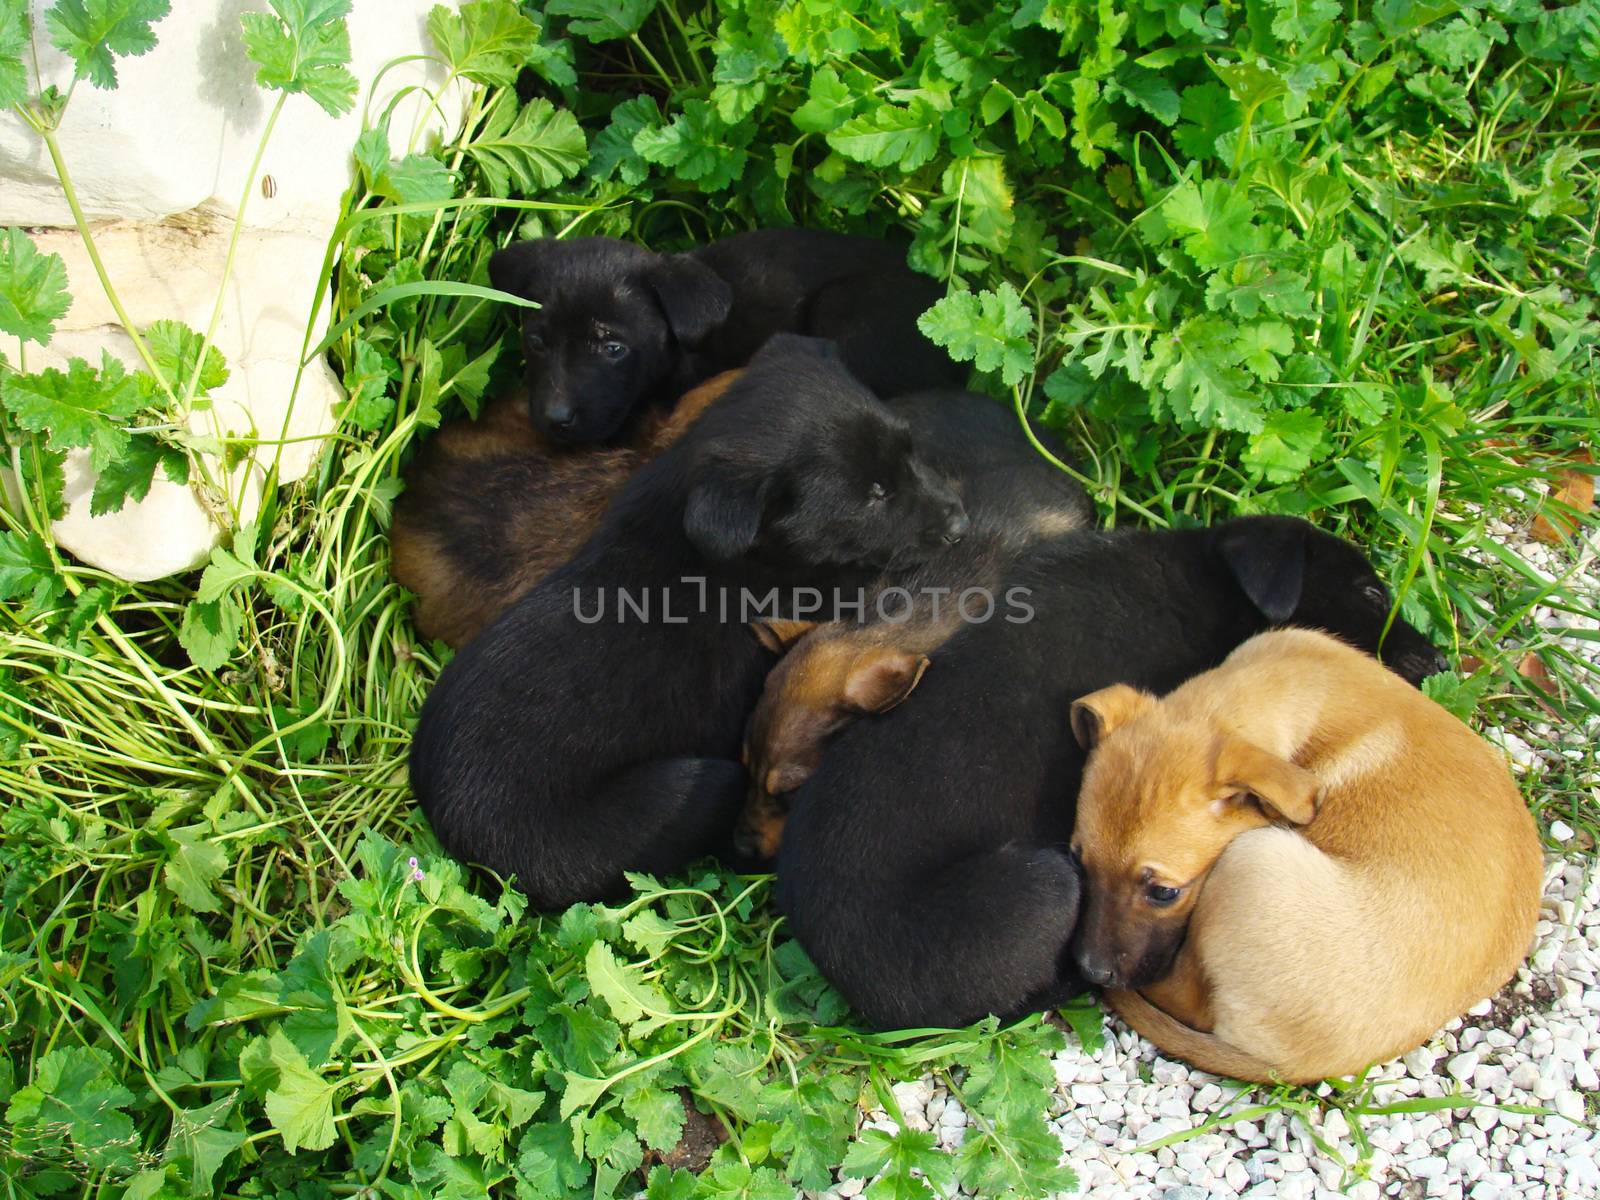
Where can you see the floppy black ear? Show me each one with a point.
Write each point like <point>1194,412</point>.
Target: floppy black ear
<point>1268,558</point>
<point>514,268</point>
<point>723,516</point>
<point>695,298</point>
<point>789,345</point>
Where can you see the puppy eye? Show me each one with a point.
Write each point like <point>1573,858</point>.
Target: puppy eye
<point>613,350</point>
<point>1160,894</point>
<point>533,343</point>
<point>877,493</point>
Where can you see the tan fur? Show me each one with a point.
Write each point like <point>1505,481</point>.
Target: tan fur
<point>530,505</point>
<point>1357,867</point>
<point>833,675</point>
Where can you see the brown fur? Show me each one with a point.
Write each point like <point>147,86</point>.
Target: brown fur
<point>491,507</point>
<point>834,674</point>
<point>1355,866</point>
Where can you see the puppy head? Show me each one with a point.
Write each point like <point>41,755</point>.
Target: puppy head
<point>1161,799</point>
<point>1295,574</point>
<point>614,323</point>
<point>802,466</point>
<point>825,683</point>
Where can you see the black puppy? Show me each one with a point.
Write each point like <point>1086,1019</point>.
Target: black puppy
<point>925,865</point>
<point>578,737</point>
<point>621,327</point>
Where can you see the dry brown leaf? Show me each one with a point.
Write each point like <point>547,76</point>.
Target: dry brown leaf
<point>1573,489</point>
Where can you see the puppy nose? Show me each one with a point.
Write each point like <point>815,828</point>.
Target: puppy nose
<point>1095,971</point>
<point>561,416</point>
<point>956,526</point>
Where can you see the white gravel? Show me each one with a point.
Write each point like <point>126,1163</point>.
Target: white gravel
<point>1535,1047</point>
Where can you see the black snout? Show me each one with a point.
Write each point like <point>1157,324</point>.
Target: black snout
<point>1094,970</point>
<point>1416,665</point>
<point>560,415</point>
<point>956,525</point>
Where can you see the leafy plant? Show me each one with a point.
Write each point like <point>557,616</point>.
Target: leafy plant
<point>1296,258</point>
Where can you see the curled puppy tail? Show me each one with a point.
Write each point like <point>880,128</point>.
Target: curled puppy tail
<point>1177,1040</point>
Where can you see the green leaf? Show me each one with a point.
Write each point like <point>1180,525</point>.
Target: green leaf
<point>488,41</point>
<point>671,1183</point>
<point>129,477</point>
<point>1014,1080</point>
<point>829,102</point>
<point>631,1001</point>
<point>301,1106</point>
<point>548,1165</point>
<point>1014,1161</point>
<point>657,1115</point>
<point>602,20</point>
<point>78,407</point>
<point>200,1141</point>
<point>1150,91</point>
<point>91,32</point>
<point>366,385</point>
<point>891,136</point>
<point>76,1091</point>
<point>1261,345</point>
<point>304,48</point>
<point>613,152</point>
<point>537,146</point>
<point>194,863</point>
<point>33,286</point>
<point>1205,384</point>
<point>27,570</point>
<point>698,146</point>
<point>1215,221</point>
<point>175,348</point>
<point>210,632</point>
<point>991,329</point>
<point>1457,695</point>
<point>1088,1023</point>
<point>1287,444</point>
<point>897,1156</point>
<point>816,1119</point>
<point>15,31</point>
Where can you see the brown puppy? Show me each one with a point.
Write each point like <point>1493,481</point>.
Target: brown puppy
<point>833,674</point>
<point>492,506</point>
<point>1297,864</point>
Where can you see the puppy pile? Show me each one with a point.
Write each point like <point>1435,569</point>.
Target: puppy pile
<point>1257,866</point>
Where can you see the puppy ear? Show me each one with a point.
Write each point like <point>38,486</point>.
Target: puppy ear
<point>1248,774</point>
<point>778,636</point>
<point>515,268</point>
<point>1268,558</point>
<point>723,515</point>
<point>1103,712</point>
<point>695,298</point>
<point>796,345</point>
<point>880,679</point>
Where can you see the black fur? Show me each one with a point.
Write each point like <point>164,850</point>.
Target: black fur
<point>925,866</point>
<point>622,327</point>
<point>566,752</point>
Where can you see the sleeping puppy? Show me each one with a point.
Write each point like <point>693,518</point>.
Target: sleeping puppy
<point>491,507</point>
<point>1296,865</point>
<point>577,737</point>
<point>621,329</point>
<point>842,671</point>
<point>924,866</point>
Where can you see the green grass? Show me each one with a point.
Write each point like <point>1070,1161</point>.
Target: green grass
<point>1279,266</point>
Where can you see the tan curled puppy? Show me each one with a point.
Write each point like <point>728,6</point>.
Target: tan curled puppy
<point>1297,864</point>
<point>492,506</point>
<point>829,676</point>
